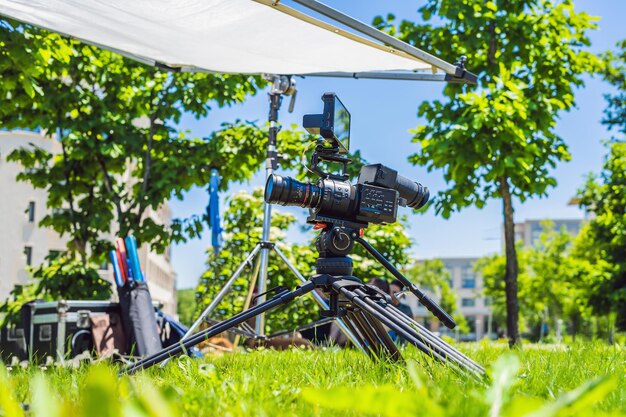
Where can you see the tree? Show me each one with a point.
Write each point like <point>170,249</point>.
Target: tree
<point>186,305</point>
<point>615,74</point>
<point>549,282</point>
<point>123,151</point>
<point>554,283</point>
<point>497,140</point>
<point>605,237</point>
<point>603,241</point>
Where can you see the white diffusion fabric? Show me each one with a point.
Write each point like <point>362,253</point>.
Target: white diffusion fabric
<point>230,36</point>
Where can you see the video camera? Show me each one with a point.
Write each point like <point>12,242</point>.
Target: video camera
<point>373,199</point>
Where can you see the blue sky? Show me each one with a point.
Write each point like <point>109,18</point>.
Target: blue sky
<point>383,112</point>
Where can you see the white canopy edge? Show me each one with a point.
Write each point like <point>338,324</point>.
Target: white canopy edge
<point>228,36</point>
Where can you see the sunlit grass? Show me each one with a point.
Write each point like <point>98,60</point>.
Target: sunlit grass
<point>330,382</point>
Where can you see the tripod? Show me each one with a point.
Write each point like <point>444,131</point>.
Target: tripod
<point>281,85</point>
<point>364,309</point>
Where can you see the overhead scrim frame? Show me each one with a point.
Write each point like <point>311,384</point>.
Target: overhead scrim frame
<point>237,36</point>
<point>452,72</point>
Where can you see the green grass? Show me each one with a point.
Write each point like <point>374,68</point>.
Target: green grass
<point>342,382</point>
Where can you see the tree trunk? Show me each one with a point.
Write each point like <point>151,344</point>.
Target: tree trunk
<point>510,277</point>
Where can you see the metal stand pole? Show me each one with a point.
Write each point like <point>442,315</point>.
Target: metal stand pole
<point>271,163</point>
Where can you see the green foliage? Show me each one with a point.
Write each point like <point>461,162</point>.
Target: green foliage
<point>553,282</point>
<point>186,305</point>
<point>497,139</point>
<point>615,74</point>
<point>58,278</point>
<point>11,309</point>
<point>604,240</point>
<point>122,150</point>
<point>71,279</point>
<point>528,56</point>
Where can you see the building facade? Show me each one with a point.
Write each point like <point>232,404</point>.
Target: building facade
<point>471,303</point>
<point>468,284</point>
<point>25,244</point>
<point>529,231</point>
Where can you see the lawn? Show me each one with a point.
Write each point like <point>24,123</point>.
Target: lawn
<point>580,380</point>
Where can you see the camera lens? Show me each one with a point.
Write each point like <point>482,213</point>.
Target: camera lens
<point>415,193</point>
<point>289,192</point>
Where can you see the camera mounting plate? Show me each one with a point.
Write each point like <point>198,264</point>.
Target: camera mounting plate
<point>329,154</point>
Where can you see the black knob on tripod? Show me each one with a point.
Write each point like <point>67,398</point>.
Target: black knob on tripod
<point>334,242</point>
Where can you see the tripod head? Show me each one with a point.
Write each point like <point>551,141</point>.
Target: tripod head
<point>335,243</point>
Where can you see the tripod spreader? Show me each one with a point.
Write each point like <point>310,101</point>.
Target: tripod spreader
<point>424,299</point>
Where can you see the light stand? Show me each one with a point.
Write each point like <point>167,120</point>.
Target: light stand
<point>281,85</point>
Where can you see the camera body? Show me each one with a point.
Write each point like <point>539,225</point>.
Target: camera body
<point>333,199</point>
<point>370,200</point>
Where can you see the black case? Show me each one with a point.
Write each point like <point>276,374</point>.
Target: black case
<point>12,343</point>
<point>50,328</point>
<point>60,329</point>
<point>140,324</point>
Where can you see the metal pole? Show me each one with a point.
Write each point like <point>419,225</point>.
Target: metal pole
<point>218,298</point>
<point>220,295</point>
<point>271,164</point>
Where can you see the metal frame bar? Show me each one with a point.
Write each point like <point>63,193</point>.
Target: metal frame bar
<point>455,70</point>
<point>391,75</point>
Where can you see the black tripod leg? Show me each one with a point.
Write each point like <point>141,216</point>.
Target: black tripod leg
<point>392,324</point>
<point>281,298</point>
<point>349,322</point>
<point>425,338</point>
<point>383,345</point>
<point>430,338</point>
<point>377,346</point>
<point>383,335</point>
<point>371,343</point>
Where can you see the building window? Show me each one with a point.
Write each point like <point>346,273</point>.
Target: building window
<point>451,283</point>
<point>487,301</point>
<point>31,212</point>
<point>468,283</point>
<point>471,323</point>
<point>28,254</point>
<point>468,302</point>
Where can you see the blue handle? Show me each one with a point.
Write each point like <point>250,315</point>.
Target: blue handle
<point>131,248</point>
<point>117,274</point>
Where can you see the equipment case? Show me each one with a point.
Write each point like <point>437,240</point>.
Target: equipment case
<point>56,329</point>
